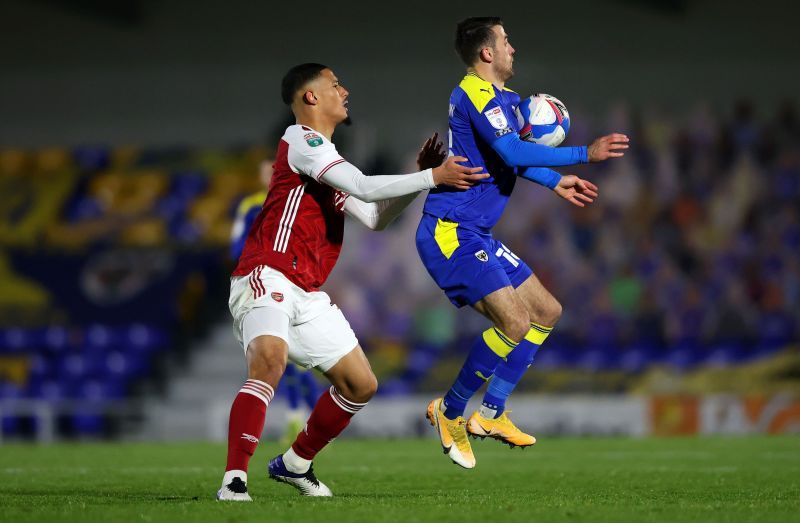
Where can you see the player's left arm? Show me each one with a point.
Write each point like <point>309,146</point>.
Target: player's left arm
<point>378,215</point>
<point>575,190</point>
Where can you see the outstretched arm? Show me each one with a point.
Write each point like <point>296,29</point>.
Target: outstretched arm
<point>378,215</point>
<point>516,152</point>
<point>346,177</point>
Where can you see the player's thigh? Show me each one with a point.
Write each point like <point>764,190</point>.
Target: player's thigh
<point>542,306</point>
<point>257,312</point>
<point>506,310</point>
<point>459,260</point>
<point>353,377</point>
<point>324,339</point>
<point>265,335</point>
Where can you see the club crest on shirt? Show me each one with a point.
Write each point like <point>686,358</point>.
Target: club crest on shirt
<point>496,118</point>
<point>313,139</point>
<point>277,296</point>
<point>482,256</point>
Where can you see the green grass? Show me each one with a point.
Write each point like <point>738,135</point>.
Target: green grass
<point>703,479</point>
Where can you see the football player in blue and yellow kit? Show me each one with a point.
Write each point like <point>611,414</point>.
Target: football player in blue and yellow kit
<point>455,242</point>
<point>298,383</point>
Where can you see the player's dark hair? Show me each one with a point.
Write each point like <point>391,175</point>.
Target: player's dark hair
<point>297,77</point>
<point>473,34</point>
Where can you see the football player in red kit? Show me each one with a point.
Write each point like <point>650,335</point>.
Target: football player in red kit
<point>277,307</point>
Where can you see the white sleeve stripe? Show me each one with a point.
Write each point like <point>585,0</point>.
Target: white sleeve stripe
<point>323,171</point>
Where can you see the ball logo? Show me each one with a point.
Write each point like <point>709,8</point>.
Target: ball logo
<point>496,118</point>
<point>277,296</point>
<point>482,256</point>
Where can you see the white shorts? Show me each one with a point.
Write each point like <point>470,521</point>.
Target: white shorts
<point>266,303</point>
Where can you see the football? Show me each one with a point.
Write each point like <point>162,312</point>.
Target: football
<point>543,119</point>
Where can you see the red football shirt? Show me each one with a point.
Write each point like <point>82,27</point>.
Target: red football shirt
<point>299,230</point>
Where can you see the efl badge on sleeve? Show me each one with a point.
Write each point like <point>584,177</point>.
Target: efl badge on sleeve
<point>496,118</point>
<point>313,139</point>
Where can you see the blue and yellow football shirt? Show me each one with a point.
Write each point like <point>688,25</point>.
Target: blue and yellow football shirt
<point>246,214</point>
<point>479,114</point>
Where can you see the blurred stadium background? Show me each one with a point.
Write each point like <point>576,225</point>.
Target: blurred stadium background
<point>130,130</point>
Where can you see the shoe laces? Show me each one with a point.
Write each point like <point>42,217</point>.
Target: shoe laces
<point>237,486</point>
<point>504,420</point>
<point>459,433</point>
<point>311,477</point>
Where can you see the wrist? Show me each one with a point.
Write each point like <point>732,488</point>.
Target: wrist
<point>431,177</point>
<point>584,154</point>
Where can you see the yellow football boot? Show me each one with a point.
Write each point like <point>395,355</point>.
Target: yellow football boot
<point>452,434</point>
<point>500,428</point>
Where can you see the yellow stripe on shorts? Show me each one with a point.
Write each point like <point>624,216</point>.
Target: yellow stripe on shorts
<point>446,237</point>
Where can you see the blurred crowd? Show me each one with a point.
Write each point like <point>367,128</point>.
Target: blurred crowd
<point>691,254</point>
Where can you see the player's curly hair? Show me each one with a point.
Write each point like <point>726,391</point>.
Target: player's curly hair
<point>297,77</point>
<point>472,35</point>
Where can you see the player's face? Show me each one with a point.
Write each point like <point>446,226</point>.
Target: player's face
<point>331,96</point>
<point>503,62</point>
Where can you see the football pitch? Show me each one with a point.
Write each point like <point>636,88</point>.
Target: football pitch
<point>603,479</point>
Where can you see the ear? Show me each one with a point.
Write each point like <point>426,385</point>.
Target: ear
<point>486,55</point>
<point>309,98</point>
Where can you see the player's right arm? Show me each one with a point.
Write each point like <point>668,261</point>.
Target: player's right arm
<point>317,157</point>
<point>494,128</point>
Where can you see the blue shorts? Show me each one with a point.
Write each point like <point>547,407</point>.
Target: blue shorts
<point>466,264</point>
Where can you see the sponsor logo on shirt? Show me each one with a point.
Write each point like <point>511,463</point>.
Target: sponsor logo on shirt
<point>313,139</point>
<point>496,118</point>
<point>502,132</point>
<point>277,296</point>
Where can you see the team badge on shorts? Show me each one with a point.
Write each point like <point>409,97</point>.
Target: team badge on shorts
<point>482,256</point>
<point>277,296</point>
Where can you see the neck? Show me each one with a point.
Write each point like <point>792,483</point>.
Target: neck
<point>323,127</point>
<point>486,72</point>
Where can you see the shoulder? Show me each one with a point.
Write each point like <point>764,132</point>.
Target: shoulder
<point>511,95</point>
<point>305,139</point>
<point>478,91</point>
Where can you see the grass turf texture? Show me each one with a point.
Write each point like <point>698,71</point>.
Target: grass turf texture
<point>703,479</point>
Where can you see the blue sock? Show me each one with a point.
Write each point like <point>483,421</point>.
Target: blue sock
<point>292,387</point>
<point>509,372</point>
<point>488,350</point>
<point>310,388</point>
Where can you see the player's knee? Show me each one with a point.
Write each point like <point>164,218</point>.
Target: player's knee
<point>360,391</point>
<point>266,362</point>
<point>553,313</point>
<point>517,327</point>
<point>365,389</point>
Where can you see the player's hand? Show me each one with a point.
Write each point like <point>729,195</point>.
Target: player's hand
<point>576,191</point>
<point>452,174</point>
<point>609,146</point>
<point>431,153</point>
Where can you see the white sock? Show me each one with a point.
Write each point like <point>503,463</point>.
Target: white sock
<point>230,474</point>
<point>295,463</point>
<point>487,413</point>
